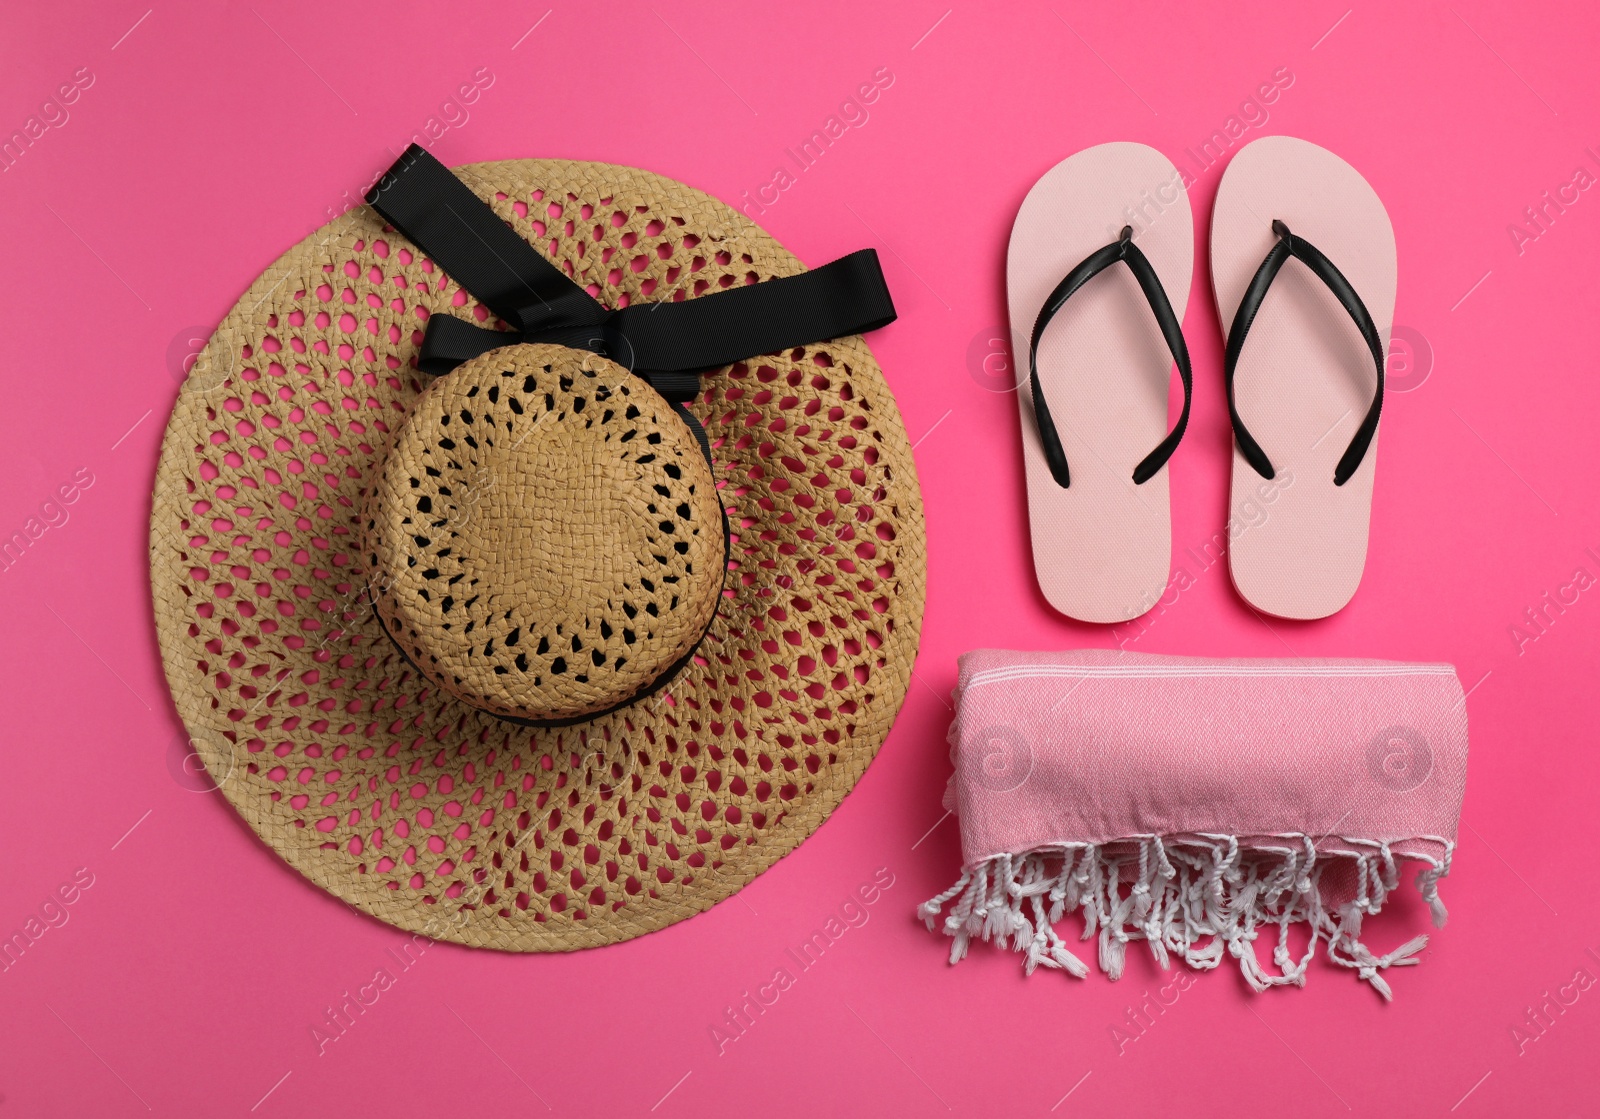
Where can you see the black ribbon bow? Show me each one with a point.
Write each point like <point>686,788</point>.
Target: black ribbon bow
<point>667,343</point>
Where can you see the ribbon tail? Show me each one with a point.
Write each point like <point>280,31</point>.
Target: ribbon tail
<point>450,341</point>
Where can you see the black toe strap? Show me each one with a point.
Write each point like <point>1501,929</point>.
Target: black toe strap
<point>1125,250</point>
<point>1304,251</point>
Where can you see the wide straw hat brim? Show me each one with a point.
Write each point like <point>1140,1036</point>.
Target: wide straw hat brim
<point>423,811</point>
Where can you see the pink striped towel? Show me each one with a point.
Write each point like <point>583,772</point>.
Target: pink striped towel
<point>1192,802</point>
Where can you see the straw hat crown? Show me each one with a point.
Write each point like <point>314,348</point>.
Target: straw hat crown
<point>544,538</point>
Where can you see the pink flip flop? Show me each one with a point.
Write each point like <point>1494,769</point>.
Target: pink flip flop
<point>1102,340</point>
<point>1303,264</point>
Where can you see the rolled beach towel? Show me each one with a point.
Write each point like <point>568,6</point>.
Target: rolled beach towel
<point>1195,803</point>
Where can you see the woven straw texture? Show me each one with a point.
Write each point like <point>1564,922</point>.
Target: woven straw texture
<point>543,537</point>
<point>413,806</point>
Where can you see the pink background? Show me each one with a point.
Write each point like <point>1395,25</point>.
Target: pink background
<point>188,976</point>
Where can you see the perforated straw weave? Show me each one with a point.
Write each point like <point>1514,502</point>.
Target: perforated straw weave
<point>544,538</point>
<point>418,808</point>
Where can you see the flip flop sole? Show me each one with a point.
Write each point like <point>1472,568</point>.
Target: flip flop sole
<point>1102,547</point>
<point>1305,379</point>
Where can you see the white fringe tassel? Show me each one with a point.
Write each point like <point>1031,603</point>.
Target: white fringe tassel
<point>1192,898</point>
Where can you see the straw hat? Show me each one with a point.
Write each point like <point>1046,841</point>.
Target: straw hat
<point>503,657</point>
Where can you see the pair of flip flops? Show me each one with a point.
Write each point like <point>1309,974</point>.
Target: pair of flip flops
<point>1098,275</point>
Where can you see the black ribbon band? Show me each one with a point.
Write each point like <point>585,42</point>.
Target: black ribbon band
<point>424,200</point>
